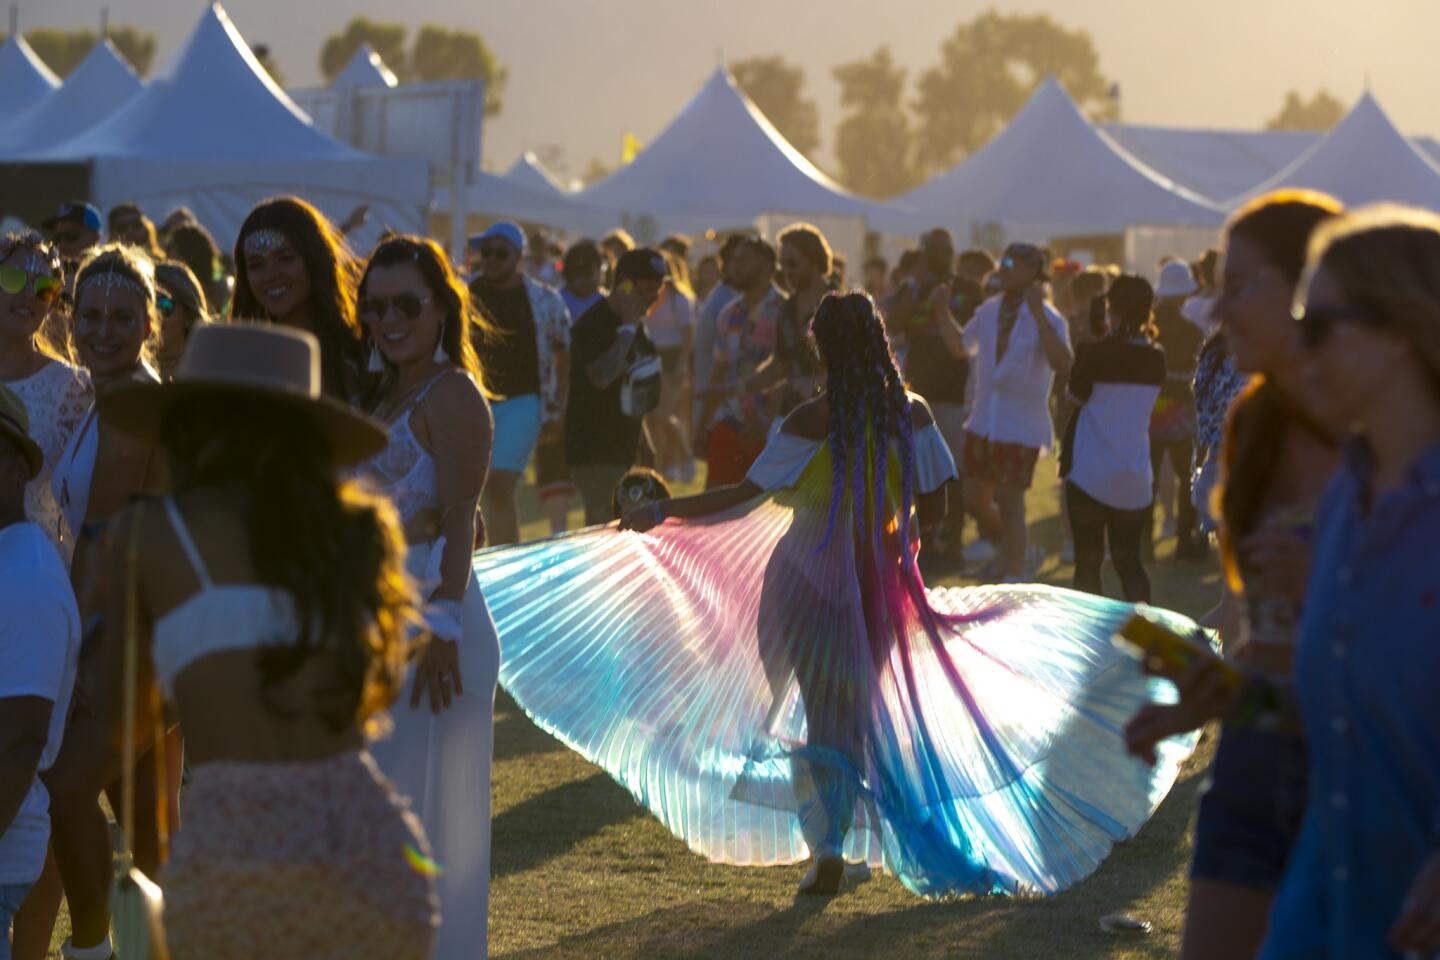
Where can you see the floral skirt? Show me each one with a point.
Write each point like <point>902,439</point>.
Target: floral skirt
<point>307,860</point>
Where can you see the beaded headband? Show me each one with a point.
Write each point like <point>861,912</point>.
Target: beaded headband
<point>264,241</point>
<point>109,279</point>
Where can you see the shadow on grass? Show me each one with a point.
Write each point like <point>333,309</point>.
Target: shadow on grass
<point>552,823</point>
<point>515,735</point>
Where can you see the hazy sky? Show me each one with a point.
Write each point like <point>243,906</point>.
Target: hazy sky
<point>584,71</point>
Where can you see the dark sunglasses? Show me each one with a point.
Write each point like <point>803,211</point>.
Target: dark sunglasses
<point>409,305</point>
<point>498,251</point>
<point>1316,323</point>
<point>13,280</point>
<point>164,304</point>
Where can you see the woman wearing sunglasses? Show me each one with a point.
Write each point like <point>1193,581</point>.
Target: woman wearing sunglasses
<point>56,395</point>
<point>420,324</point>
<point>181,303</point>
<point>292,267</point>
<point>101,469</point>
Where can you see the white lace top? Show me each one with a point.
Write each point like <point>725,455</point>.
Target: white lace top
<point>405,471</point>
<point>56,399</point>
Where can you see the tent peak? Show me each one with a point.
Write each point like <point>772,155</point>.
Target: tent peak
<point>366,68</point>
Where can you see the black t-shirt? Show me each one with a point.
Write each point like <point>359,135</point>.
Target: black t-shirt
<point>932,370</point>
<point>596,431</point>
<point>1181,340</point>
<point>509,357</point>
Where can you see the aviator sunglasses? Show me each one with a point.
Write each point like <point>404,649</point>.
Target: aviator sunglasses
<point>408,304</point>
<point>13,280</point>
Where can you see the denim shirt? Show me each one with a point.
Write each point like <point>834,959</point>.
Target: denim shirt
<point>1367,674</point>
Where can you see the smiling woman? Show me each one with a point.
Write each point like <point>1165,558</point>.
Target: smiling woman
<point>292,267</point>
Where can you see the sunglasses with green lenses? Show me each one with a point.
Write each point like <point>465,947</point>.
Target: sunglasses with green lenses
<point>13,280</point>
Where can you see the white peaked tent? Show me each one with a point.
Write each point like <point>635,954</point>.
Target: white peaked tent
<point>97,88</point>
<point>1217,164</point>
<point>365,69</point>
<point>527,171</point>
<point>1051,173</point>
<point>23,75</point>
<point>1365,159</point>
<point>719,164</point>
<point>214,132</point>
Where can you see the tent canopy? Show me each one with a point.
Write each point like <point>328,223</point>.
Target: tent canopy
<point>1051,173</point>
<point>214,132</point>
<point>99,86</point>
<point>365,69</point>
<point>1217,164</point>
<point>24,76</point>
<point>720,163</point>
<point>527,171</point>
<point>1365,159</point>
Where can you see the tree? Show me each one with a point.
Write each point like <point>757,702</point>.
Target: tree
<point>267,60</point>
<point>387,39</point>
<point>62,50</point>
<point>777,89</point>
<point>444,54</point>
<point>1321,112</point>
<point>988,69</point>
<point>595,171</point>
<point>873,142</point>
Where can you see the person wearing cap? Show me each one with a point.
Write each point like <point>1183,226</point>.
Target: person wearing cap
<point>602,440</point>
<point>1018,343</point>
<point>526,361</point>
<point>271,601</point>
<point>75,230</point>
<point>1172,426</point>
<point>39,651</point>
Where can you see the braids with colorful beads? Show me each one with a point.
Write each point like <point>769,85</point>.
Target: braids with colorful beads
<point>868,403</point>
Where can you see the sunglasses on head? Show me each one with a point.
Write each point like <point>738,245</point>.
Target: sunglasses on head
<point>13,280</point>
<point>408,304</point>
<point>497,251</point>
<point>1317,323</point>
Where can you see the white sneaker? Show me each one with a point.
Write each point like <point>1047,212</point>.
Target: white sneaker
<point>980,552</point>
<point>827,869</point>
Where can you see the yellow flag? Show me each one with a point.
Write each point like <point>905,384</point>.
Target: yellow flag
<point>630,147</point>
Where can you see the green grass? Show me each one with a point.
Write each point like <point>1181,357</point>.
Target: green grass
<point>581,871</point>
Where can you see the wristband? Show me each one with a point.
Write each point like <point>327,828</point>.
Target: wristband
<point>445,619</point>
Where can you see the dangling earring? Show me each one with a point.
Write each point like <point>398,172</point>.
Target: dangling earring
<point>441,356</point>
<point>376,365</point>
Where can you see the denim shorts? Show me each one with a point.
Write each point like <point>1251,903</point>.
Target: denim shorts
<point>1251,809</point>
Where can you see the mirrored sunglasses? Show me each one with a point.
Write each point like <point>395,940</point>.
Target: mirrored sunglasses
<point>13,280</point>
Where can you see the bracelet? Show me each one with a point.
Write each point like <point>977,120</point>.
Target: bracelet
<point>445,619</point>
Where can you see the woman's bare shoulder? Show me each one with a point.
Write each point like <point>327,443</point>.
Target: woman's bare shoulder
<point>810,420</point>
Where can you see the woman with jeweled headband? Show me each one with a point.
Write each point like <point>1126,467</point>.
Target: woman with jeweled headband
<point>56,394</point>
<point>292,267</point>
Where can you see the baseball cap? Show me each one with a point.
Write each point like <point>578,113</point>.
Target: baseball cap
<point>1029,254</point>
<point>642,263</point>
<point>76,211</point>
<point>507,230</point>
<point>15,424</point>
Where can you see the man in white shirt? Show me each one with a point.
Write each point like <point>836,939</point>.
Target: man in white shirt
<point>1018,344</point>
<point>39,647</point>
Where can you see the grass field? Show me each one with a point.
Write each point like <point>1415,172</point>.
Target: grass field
<point>581,871</point>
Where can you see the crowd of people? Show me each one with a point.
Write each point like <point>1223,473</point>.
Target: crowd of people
<point>260,478</point>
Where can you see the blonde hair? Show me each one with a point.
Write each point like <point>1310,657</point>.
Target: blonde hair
<point>1387,257</point>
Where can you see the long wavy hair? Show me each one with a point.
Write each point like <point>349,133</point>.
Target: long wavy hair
<point>331,269</point>
<point>462,321</point>
<point>335,549</point>
<point>53,337</point>
<point>868,405</point>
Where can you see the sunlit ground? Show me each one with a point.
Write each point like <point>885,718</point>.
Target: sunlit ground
<point>581,871</point>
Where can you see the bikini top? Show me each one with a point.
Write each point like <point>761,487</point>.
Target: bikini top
<point>217,617</point>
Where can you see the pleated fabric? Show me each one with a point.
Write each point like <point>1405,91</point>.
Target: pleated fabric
<point>766,691</point>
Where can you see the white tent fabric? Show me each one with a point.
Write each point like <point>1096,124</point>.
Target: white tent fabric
<point>1217,164</point>
<point>97,88</point>
<point>527,171</point>
<point>720,163</point>
<point>365,69</point>
<point>1050,173</point>
<point>24,76</point>
<point>1365,159</point>
<point>496,197</point>
<point>215,133</point>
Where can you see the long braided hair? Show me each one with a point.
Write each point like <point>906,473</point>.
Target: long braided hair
<point>868,404</point>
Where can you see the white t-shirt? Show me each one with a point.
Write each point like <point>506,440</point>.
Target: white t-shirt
<point>672,316</point>
<point>39,647</point>
<point>1012,397</point>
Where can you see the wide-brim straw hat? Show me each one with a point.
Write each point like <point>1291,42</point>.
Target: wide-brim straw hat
<point>249,361</point>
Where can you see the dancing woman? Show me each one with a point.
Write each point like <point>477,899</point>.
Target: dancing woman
<point>765,670</point>
<point>271,603</point>
<point>292,267</point>
<point>433,469</point>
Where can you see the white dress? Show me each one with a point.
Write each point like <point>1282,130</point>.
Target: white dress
<point>443,763</point>
<point>56,398</point>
